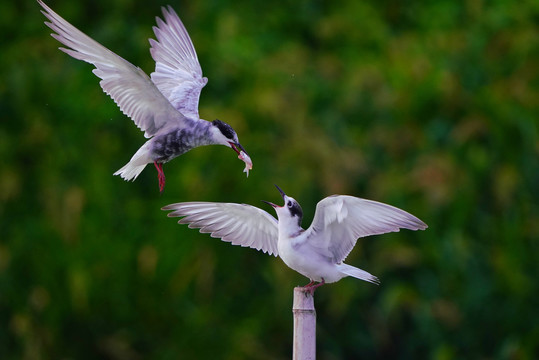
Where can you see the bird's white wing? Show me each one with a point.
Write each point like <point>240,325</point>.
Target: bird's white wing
<point>340,220</point>
<point>177,71</point>
<point>131,89</point>
<point>239,224</point>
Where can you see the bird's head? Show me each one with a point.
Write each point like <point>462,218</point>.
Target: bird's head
<point>224,134</point>
<point>290,212</point>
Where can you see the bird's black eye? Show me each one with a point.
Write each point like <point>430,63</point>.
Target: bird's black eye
<point>289,204</point>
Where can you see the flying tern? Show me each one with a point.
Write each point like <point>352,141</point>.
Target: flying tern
<point>165,105</point>
<point>317,252</point>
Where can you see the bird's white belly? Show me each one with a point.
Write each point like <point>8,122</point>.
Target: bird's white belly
<point>307,262</point>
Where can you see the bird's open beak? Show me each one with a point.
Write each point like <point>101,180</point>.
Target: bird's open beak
<point>270,204</point>
<point>237,147</point>
<point>281,191</point>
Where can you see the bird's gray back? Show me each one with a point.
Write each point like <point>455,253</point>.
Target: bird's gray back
<point>179,140</point>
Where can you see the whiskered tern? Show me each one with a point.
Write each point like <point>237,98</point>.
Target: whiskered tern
<point>318,252</point>
<point>165,105</point>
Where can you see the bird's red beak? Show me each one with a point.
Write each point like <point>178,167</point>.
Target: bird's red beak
<point>237,147</point>
<point>270,204</point>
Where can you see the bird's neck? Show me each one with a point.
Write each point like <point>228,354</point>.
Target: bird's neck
<point>289,227</point>
<point>201,134</point>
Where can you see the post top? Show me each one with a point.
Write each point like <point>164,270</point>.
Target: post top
<point>303,299</point>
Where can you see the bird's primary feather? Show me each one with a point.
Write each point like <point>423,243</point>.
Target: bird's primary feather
<point>239,224</point>
<point>340,220</point>
<point>130,88</point>
<point>177,71</point>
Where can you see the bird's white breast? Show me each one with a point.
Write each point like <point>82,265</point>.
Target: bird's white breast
<point>298,255</point>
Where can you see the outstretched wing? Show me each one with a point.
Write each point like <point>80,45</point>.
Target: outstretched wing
<point>177,71</point>
<point>239,224</point>
<point>133,91</point>
<point>340,220</point>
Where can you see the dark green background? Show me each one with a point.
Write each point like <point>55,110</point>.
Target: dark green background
<point>430,106</point>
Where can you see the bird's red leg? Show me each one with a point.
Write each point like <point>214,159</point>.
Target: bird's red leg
<point>162,179</point>
<point>311,288</point>
<point>309,284</point>
<point>160,175</point>
<point>314,287</point>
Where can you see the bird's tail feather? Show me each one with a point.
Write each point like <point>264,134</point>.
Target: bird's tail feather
<point>357,273</point>
<point>137,163</point>
<point>130,171</point>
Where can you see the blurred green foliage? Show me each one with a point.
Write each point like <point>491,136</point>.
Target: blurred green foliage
<point>429,106</point>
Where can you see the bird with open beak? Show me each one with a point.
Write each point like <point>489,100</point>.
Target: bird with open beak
<point>317,252</point>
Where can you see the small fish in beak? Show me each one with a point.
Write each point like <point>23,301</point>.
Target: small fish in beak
<point>247,160</point>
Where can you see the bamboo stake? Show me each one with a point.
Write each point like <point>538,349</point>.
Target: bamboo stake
<point>304,325</point>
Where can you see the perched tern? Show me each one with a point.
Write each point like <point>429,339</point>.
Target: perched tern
<point>165,105</point>
<point>317,252</point>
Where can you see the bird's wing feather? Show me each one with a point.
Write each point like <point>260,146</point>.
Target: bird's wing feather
<point>340,220</point>
<point>177,71</point>
<point>239,224</point>
<point>131,89</point>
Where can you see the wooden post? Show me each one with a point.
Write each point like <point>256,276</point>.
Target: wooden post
<point>304,325</point>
